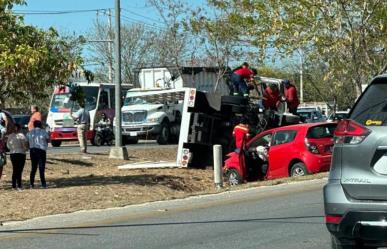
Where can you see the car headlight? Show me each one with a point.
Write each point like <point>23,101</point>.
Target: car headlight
<point>153,120</point>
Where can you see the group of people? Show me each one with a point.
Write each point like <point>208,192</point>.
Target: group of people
<point>36,141</point>
<point>270,99</point>
<point>272,96</point>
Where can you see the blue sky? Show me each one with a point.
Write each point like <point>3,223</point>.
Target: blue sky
<point>133,11</point>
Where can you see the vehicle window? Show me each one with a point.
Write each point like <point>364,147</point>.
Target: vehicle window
<point>305,115</point>
<point>103,100</point>
<point>282,137</point>
<point>91,94</point>
<point>321,131</point>
<point>371,108</point>
<point>61,101</point>
<point>262,141</point>
<point>112,98</point>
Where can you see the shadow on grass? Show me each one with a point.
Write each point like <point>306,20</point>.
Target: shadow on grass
<point>173,182</point>
<point>76,162</point>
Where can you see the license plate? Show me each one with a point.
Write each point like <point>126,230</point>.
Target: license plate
<point>133,134</point>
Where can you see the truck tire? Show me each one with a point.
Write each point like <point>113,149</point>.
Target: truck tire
<point>164,133</point>
<point>234,100</point>
<point>56,143</point>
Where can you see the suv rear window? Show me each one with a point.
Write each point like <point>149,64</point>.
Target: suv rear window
<point>371,109</point>
<point>321,131</point>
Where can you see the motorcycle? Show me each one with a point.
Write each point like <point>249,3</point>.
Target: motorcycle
<point>103,134</point>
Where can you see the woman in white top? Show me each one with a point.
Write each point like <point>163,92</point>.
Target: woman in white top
<point>17,144</point>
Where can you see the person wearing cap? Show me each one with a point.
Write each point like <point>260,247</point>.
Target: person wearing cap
<point>291,96</point>
<point>239,77</point>
<point>241,134</point>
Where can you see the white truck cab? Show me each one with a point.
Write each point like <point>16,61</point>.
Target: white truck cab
<point>154,111</point>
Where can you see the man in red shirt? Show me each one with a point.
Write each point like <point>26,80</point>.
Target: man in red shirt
<point>239,77</point>
<point>271,97</point>
<point>241,134</point>
<point>291,96</point>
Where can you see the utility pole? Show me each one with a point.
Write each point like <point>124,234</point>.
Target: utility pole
<point>110,49</point>
<point>301,76</point>
<point>118,151</point>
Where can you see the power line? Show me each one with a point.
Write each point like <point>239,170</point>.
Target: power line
<point>55,12</point>
<point>136,14</point>
<point>129,19</point>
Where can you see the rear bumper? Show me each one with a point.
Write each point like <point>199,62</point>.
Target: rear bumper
<point>317,163</point>
<point>361,220</point>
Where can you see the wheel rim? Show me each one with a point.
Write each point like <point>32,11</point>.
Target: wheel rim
<point>233,178</point>
<point>298,172</point>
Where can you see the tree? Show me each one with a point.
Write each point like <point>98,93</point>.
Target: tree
<point>171,44</point>
<point>347,37</point>
<point>136,46</point>
<point>31,59</point>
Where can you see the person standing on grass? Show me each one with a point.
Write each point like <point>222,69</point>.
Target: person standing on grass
<point>17,145</point>
<point>38,140</point>
<point>83,117</point>
<point>3,131</point>
<point>36,115</point>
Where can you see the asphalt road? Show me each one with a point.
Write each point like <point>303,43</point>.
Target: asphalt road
<point>74,148</point>
<point>289,216</point>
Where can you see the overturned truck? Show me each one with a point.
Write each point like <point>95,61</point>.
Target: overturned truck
<point>209,118</point>
<point>193,106</point>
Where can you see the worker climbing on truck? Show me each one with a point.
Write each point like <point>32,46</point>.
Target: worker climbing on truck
<point>241,134</point>
<point>239,77</point>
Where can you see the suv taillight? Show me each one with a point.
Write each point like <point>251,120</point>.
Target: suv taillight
<point>312,147</point>
<point>350,132</point>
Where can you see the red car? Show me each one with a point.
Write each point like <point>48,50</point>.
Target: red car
<point>293,150</point>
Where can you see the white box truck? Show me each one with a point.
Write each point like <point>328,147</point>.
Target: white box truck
<point>154,111</point>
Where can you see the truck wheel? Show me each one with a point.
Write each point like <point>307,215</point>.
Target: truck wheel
<point>164,133</point>
<point>56,143</point>
<point>298,169</point>
<point>233,177</point>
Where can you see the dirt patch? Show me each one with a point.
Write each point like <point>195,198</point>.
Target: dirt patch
<point>78,182</point>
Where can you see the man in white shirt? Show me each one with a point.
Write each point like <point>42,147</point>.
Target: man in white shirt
<point>83,117</point>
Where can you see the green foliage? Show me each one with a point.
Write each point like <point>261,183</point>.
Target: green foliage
<point>31,60</point>
<point>345,38</point>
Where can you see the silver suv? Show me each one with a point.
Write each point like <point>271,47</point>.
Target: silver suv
<point>355,197</point>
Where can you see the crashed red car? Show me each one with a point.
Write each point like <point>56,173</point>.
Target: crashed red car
<point>293,150</point>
